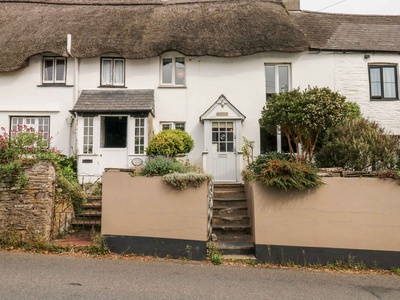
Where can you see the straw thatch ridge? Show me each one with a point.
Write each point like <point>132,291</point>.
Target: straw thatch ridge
<point>343,32</point>
<point>195,28</point>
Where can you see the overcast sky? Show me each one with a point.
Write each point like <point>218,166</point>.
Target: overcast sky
<point>375,7</point>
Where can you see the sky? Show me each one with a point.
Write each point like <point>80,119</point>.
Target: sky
<point>372,7</point>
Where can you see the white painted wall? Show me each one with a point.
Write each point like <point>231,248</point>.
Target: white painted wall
<point>241,80</point>
<point>21,96</point>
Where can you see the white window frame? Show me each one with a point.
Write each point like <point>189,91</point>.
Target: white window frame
<point>38,124</point>
<point>88,135</point>
<point>54,60</point>
<point>277,90</point>
<point>174,71</point>
<point>172,125</point>
<point>139,148</point>
<point>113,71</point>
<point>276,78</point>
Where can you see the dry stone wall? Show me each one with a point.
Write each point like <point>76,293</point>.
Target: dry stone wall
<point>28,211</point>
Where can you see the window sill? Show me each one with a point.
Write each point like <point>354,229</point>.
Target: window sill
<point>112,87</point>
<point>55,85</point>
<point>383,100</point>
<point>172,87</point>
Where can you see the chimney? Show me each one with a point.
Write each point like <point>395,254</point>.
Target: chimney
<point>292,4</point>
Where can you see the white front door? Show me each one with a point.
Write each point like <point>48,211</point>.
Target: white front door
<point>223,152</point>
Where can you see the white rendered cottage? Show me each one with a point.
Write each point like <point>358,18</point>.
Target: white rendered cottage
<point>131,68</point>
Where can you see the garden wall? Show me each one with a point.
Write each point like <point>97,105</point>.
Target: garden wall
<point>143,215</point>
<point>347,218</point>
<point>28,211</point>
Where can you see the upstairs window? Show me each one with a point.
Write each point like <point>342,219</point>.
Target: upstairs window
<point>112,71</point>
<point>277,79</point>
<point>383,82</point>
<point>173,71</point>
<point>54,69</point>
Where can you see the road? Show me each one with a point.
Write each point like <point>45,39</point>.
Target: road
<point>35,276</point>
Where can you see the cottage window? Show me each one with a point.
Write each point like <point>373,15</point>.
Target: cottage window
<point>54,69</point>
<point>277,79</point>
<point>139,135</point>
<point>112,71</point>
<point>173,125</point>
<point>173,71</point>
<point>38,124</point>
<point>383,82</point>
<point>88,135</point>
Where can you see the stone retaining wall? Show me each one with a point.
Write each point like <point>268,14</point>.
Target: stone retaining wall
<point>29,210</point>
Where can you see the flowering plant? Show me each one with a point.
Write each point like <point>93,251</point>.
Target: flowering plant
<point>20,147</point>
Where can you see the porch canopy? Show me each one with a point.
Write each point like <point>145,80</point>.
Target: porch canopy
<point>114,101</point>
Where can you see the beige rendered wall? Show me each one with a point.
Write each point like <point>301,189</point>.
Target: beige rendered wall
<point>353,213</point>
<point>147,207</point>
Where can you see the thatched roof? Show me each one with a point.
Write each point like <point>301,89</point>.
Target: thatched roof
<point>141,29</point>
<point>341,32</point>
<point>123,101</point>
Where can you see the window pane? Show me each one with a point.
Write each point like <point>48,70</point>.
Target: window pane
<point>375,77</point>
<point>180,126</point>
<point>106,72</point>
<point>119,72</point>
<point>48,69</point>
<point>270,79</point>
<point>167,70</point>
<point>180,71</point>
<point>389,82</point>
<point>60,70</point>
<point>283,78</point>
<point>166,126</point>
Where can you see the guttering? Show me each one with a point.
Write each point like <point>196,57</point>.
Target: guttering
<point>318,50</point>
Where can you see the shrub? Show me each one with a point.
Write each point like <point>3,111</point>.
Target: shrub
<point>170,143</point>
<point>161,165</point>
<point>181,181</point>
<point>358,145</point>
<point>275,170</point>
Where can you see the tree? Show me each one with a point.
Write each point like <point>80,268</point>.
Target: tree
<point>302,116</point>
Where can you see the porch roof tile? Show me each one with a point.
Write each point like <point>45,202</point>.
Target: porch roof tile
<point>115,101</point>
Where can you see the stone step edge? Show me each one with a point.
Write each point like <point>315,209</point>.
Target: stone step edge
<point>238,257</point>
<point>232,226</point>
<point>230,216</point>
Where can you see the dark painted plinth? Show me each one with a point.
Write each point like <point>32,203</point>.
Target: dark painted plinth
<point>150,246</point>
<point>314,255</point>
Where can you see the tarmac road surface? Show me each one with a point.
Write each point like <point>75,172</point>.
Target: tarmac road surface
<point>35,276</point>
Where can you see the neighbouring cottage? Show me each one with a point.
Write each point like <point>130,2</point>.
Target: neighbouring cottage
<point>102,76</point>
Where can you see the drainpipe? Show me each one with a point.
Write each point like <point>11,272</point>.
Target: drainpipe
<point>76,93</point>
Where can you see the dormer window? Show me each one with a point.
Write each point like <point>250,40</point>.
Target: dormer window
<point>173,71</point>
<point>54,70</point>
<point>112,71</point>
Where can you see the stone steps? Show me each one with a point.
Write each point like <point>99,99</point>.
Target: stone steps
<point>89,220</point>
<point>231,221</point>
